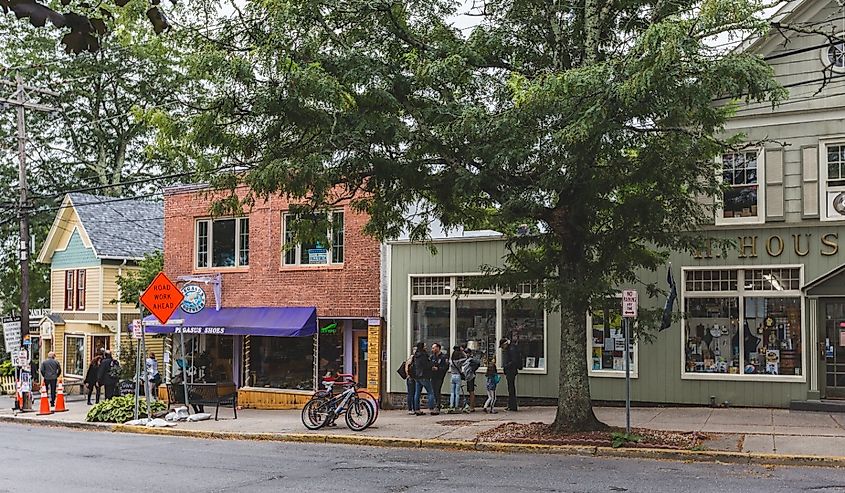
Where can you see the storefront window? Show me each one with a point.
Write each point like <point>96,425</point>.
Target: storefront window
<point>74,355</point>
<point>477,327</point>
<point>282,362</point>
<point>456,310</point>
<point>712,344</point>
<point>523,324</point>
<point>430,322</point>
<point>607,352</point>
<point>745,330</point>
<point>330,347</point>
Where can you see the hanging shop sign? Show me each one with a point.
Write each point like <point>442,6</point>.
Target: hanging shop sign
<point>374,356</point>
<point>162,298</point>
<point>194,300</point>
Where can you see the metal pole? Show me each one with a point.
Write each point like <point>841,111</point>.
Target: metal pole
<point>137,373</point>
<point>24,218</point>
<point>143,360</point>
<point>627,322</point>
<point>184,371</point>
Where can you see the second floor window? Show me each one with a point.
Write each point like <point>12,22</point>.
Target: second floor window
<point>318,252</point>
<point>222,242</point>
<point>69,290</point>
<point>75,290</point>
<point>741,201</point>
<point>80,290</point>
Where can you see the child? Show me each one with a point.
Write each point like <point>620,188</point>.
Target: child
<point>493,379</point>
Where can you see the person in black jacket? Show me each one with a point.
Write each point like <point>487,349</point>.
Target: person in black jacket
<point>92,378</point>
<point>422,374</point>
<point>512,364</point>
<point>106,376</point>
<point>439,368</point>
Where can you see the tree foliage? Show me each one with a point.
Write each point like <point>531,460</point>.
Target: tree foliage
<point>134,282</point>
<point>589,126</point>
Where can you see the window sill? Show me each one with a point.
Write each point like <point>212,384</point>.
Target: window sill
<point>222,270</point>
<point>736,377</point>
<point>612,374</point>
<point>318,267</point>
<point>729,221</point>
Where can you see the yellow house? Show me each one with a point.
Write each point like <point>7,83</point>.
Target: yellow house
<point>92,241</point>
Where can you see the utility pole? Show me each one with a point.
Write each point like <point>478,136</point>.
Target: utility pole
<point>20,100</point>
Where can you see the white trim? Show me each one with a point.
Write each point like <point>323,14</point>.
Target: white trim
<point>824,56</point>
<point>822,183</point>
<point>635,370</point>
<point>776,117</point>
<point>740,293</point>
<point>760,218</point>
<point>388,258</point>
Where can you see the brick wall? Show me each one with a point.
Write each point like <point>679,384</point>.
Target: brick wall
<point>350,290</point>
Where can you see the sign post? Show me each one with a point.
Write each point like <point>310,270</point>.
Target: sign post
<point>630,304</point>
<point>162,297</point>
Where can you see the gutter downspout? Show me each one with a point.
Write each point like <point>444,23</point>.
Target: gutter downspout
<point>119,309</point>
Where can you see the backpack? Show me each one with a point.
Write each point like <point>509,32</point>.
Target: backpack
<point>114,369</point>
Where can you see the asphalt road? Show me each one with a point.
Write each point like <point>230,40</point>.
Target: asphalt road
<point>38,459</point>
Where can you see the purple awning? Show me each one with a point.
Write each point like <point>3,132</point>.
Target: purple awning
<point>261,321</point>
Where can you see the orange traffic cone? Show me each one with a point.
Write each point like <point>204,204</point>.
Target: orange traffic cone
<point>60,398</point>
<point>18,395</point>
<point>44,407</point>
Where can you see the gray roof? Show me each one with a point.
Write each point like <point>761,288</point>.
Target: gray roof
<point>120,228</point>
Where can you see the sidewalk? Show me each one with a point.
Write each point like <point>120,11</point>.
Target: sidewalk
<point>740,430</point>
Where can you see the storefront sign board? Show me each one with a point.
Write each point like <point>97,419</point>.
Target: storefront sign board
<point>374,356</point>
<point>195,299</point>
<point>162,298</point>
<point>629,303</point>
<point>318,256</point>
<point>26,381</point>
<point>12,333</point>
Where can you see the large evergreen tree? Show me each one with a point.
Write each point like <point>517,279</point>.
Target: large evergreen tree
<point>592,122</point>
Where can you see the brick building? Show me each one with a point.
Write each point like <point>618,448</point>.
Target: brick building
<point>287,313</point>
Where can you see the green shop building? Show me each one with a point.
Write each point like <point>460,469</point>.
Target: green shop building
<point>763,324</point>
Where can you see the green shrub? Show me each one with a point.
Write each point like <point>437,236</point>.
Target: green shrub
<point>121,409</point>
<point>6,369</point>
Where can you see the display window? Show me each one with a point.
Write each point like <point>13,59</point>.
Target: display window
<point>607,336</point>
<point>74,355</point>
<point>455,310</point>
<point>753,330</point>
<point>330,347</point>
<point>282,362</point>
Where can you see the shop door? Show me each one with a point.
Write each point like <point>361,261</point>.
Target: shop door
<point>834,346</point>
<point>360,357</point>
<point>98,344</point>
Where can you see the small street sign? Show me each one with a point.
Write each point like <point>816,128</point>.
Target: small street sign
<point>162,297</point>
<point>12,333</point>
<point>137,331</point>
<point>20,358</point>
<point>630,302</point>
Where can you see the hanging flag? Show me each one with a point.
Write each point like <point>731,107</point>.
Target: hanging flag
<point>670,301</point>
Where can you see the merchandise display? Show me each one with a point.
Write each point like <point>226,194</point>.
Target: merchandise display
<point>608,350</point>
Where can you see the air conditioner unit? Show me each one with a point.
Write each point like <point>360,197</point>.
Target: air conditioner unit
<point>835,204</point>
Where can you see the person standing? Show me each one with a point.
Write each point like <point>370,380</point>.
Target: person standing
<point>456,365</point>
<point>108,374</point>
<point>51,370</point>
<point>471,365</point>
<point>422,374</point>
<point>439,368</point>
<point>410,382</point>
<point>512,363</point>
<point>153,377</point>
<point>492,377</point>
<point>91,378</point>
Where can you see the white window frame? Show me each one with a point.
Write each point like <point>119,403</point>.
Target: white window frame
<point>298,248</point>
<point>838,140</point>
<point>210,250</point>
<point>498,296</point>
<point>65,366</point>
<point>760,218</point>
<point>635,368</point>
<point>741,294</point>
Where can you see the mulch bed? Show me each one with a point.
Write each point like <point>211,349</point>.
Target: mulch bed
<point>541,433</point>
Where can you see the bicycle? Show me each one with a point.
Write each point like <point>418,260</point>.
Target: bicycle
<point>347,379</point>
<point>324,408</point>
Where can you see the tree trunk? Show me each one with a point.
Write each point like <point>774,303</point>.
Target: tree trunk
<point>574,407</point>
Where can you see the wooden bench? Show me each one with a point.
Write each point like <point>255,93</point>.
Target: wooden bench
<point>205,394</point>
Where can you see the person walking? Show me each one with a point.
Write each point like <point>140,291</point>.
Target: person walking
<point>91,378</point>
<point>439,369</point>
<point>153,377</point>
<point>493,379</point>
<point>456,365</point>
<point>108,374</point>
<point>51,370</point>
<point>422,374</point>
<point>471,365</point>
<point>512,363</point>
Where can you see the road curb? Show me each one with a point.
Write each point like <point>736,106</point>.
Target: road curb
<point>715,456</point>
